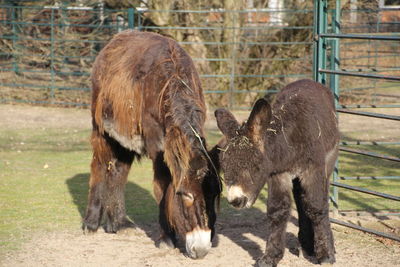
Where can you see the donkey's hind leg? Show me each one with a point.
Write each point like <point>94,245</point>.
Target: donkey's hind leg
<point>316,207</point>
<point>306,231</point>
<point>162,179</point>
<point>109,171</point>
<point>278,212</point>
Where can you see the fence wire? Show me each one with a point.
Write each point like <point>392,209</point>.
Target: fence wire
<point>47,52</point>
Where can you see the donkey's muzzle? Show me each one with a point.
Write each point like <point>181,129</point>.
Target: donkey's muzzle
<point>198,243</point>
<point>239,202</point>
<point>236,197</point>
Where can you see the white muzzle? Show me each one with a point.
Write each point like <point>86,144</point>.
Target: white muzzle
<point>198,243</point>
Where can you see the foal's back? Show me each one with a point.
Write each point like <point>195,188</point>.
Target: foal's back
<point>307,112</point>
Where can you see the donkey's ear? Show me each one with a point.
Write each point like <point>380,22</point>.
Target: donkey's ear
<point>226,122</point>
<point>259,118</point>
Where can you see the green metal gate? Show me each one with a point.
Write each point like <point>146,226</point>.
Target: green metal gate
<point>323,40</point>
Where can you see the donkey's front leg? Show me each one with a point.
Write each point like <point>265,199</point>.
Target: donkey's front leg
<point>94,210</point>
<point>109,171</point>
<point>278,211</point>
<point>114,201</point>
<point>162,179</point>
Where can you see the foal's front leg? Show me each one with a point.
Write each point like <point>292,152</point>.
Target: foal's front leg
<point>278,212</point>
<point>316,207</point>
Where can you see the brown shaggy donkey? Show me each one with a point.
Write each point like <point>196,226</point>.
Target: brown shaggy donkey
<point>292,147</point>
<point>147,100</point>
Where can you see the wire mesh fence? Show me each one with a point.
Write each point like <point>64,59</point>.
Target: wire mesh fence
<point>47,52</point>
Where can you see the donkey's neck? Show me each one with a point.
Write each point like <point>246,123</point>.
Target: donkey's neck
<point>185,109</point>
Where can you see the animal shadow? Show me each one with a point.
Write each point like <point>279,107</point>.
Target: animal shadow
<point>140,204</point>
<point>238,224</point>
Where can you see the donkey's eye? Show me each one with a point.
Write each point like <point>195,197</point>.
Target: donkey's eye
<point>187,198</point>
<point>200,173</point>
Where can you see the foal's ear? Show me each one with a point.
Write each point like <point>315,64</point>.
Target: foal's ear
<point>226,122</point>
<point>259,118</point>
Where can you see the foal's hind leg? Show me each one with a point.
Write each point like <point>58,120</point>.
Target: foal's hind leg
<point>109,170</point>
<point>278,212</point>
<point>316,207</point>
<point>162,179</point>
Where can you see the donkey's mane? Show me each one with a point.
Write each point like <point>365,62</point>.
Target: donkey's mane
<point>182,108</point>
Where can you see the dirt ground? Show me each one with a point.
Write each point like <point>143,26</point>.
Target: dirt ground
<point>240,240</point>
<point>239,243</point>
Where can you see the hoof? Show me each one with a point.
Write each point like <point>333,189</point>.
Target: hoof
<point>113,228</point>
<point>262,263</point>
<point>165,243</point>
<point>88,229</point>
<point>295,251</point>
<point>328,261</point>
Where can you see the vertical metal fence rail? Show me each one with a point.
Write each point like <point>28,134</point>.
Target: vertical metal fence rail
<point>320,26</point>
<point>320,70</point>
<point>334,83</point>
<point>233,63</point>
<point>131,18</point>
<point>14,41</point>
<point>52,47</point>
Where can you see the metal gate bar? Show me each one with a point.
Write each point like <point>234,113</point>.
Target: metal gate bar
<point>362,36</point>
<point>365,75</point>
<point>357,227</point>
<point>361,143</point>
<point>369,106</point>
<point>321,38</point>
<point>369,154</point>
<point>366,191</point>
<point>369,177</point>
<point>370,114</point>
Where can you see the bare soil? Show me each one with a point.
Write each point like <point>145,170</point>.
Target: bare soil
<point>239,242</point>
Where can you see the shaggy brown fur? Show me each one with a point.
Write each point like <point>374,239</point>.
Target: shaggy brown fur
<point>147,100</point>
<point>293,147</point>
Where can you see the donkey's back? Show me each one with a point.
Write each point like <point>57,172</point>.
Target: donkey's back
<point>141,71</point>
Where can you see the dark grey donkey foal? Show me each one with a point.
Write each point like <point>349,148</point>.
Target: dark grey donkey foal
<point>292,147</point>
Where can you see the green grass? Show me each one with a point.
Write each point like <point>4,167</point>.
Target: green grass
<point>44,177</point>
<point>44,183</point>
<point>359,165</point>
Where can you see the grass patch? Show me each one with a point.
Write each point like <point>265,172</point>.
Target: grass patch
<point>44,183</point>
<point>359,165</point>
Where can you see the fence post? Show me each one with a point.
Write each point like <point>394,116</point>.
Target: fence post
<point>320,26</point>
<point>52,55</point>
<point>334,84</point>
<point>139,21</point>
<point>14,38</point>
<point>131,18</point>
<point>233,60</point>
